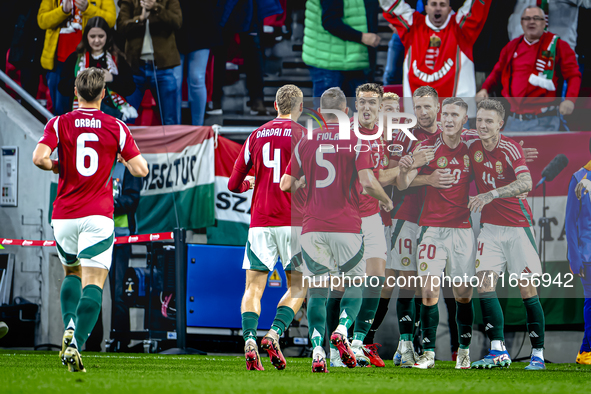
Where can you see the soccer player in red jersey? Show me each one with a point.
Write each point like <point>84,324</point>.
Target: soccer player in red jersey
<point>405,229</point>
<point>336,170</point>
<point>506,240</point>
<point>268,149</point>
<point>390,105</point>
<point>88,143</point>
<point>368,104</point>
<point>446,236</point>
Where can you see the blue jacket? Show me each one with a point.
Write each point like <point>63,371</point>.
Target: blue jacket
<point>243,11</point>
<point>578,222</point>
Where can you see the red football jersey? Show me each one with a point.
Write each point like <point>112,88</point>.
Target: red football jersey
<point>299,197</point>
<point>268,150</point>
<point>496,169</point>
<point>368,205</point>
<point>330,166</point>
<point>87,142</point>
<point>410,207</point>
<point>447,207</point>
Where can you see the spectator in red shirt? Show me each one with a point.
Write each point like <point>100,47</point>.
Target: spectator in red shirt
<point>529,69</point>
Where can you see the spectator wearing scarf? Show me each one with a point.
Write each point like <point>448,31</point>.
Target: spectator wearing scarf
<point>529,69</point>
<point>91,53</point>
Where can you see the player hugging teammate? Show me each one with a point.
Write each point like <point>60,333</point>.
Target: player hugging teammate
<point>338,199</point>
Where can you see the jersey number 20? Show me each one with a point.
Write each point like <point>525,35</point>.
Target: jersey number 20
<point>83,151</point>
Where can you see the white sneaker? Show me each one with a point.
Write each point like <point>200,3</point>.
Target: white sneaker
<point>397,356</point>
<point>407,359</point>
<point>335,359</point>
<point>362,359</point>
<point>427,360</point>
<point>463,360</point>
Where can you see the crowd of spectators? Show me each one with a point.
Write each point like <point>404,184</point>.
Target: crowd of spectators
<point>527,51</point>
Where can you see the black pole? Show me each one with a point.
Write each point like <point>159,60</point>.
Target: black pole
<point>180,265</point>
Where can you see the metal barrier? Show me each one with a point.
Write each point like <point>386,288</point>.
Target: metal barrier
<point>25,96</point>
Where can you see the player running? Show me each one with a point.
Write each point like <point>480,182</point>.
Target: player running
<point>506,240</point>
<point>88,143</point>
<point>446,237</point>
<point>268,149</point>
<point>335,170</point>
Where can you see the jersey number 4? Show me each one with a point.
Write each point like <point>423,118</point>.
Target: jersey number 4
<point>275,163</point>
<point>83,151</point>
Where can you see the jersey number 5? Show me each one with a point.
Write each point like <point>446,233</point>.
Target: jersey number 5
<point>275,163</point>
<point>83,151</point>
<point>322,162</point>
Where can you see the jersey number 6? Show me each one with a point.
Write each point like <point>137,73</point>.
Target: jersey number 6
<point>83,151</point>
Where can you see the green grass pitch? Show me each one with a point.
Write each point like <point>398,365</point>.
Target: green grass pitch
<point>28,372</point>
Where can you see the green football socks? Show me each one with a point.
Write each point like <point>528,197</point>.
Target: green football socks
<point>535,321</point>
<point>368,308</point>
<point>283,319</point>
<point>317,316</point>
<point>350,305</point>
<point>87,313</point>
<point>429,323</point>
<point>492,316</point>
<point>465,320</point>
<point>250,322</point>
<point>70,294</point>
<point>405,309</point>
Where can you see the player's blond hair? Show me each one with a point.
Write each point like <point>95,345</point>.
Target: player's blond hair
<point>333,98</point>
<point>391,96</point>
<point>90,83</point>
<point>370,87</point>
<point>287,98</point>
<point>493,105</point>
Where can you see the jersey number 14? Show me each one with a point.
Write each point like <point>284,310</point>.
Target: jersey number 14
<point>490,180</point>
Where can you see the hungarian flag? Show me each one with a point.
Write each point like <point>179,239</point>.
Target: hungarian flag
<point>232,210</point>
<point>180,185</point>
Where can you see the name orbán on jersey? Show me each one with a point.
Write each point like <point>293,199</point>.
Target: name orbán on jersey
<point>496,169</point>
<point>88,142</point>
<point>330,166</point>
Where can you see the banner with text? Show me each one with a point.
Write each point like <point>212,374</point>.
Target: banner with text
<point>232,210</point>
<point>181,164</point>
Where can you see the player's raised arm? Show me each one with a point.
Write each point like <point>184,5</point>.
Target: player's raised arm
<point>399,14</point>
